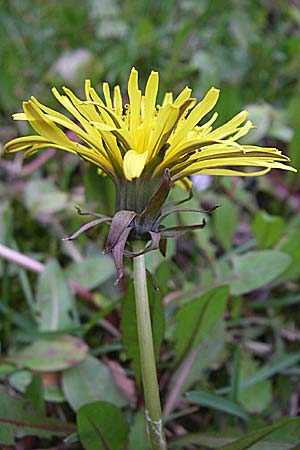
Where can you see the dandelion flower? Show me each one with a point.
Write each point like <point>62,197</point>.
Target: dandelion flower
<point>145,148</point>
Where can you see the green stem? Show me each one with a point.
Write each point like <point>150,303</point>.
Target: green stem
<point>148,367</point>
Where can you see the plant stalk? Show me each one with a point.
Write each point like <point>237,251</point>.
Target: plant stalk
<point>148,368</point>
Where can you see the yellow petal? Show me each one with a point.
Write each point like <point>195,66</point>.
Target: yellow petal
<point>168,99</point>
<point>135,100</point>
<point>21,143</point>
<point>196,115</point>
<point>166,120</point>
<point>19,116</point>
<point>234,173</point>
<point>150,96</point>
<point>183,96</point>
<point>148,113</point>
<point>45,127</point>
<point>118,102</point>
<point>106,92</point>
<point>133,164</point>
<point>229,127</point>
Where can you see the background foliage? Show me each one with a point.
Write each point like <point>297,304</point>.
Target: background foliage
<point>226,319</point>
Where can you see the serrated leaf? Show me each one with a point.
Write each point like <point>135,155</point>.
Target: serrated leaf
<point>90,381</point>
<point>256,269</point>
<point>102,426</point>
<point>196,319</point>
<point>55,308</point>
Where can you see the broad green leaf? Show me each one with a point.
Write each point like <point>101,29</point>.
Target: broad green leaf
<point>13,421</point>
<point>253,438</point>
<point>129,325</point>
<point>89,381</point>
<point>267,229</point>
<point>55,308</point>
<point>92,271</point>
<point>257,397</point>
<point>51,355</point>
<point>225,220</point>
<point>102,426</point>
<point>256,269</point>
<point>196,319</point>
<point>216,402</point>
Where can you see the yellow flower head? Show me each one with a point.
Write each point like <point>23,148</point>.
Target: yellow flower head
<point>123,140</point>
<point>145,147</point>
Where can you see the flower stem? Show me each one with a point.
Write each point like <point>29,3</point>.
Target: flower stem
<point>148,367</point>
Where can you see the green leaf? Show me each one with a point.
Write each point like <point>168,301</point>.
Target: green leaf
<point>35,394</point>
<point>21,379</point>
<point>51,355</point>
<point>41,197</point>
<point>207,353</point>
<point>256,269</point>
<point>14,422</point>
<point>264,373</point>
<point>129,325</point>
<point>55,307</point>
<point>281,439</point>
<point>267,229</point>
<point>196,319</point>
<point>208,440</point>
<point>138,436</point>
<point>90,381</point>
<point>256,436</point>
<point>291,247</point>
<point>225,220</point>
<point>102,426</point>
<point>216,402</point>
<point>92,271</point>
<point>256,397</point>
